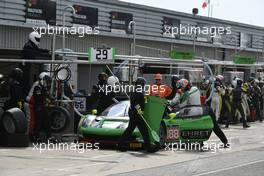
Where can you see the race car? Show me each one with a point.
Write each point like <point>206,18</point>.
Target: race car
<point>107,127</point>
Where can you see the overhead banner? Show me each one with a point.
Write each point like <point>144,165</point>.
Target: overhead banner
<point>41,12</point>
<point>244,60</point>
<point>104,55</point>
<point>181,55</point>
<point>85,15</point>
<point>120,22</point>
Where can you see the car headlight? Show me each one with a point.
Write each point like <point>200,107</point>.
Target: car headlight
<point>86,122</point>
<point>96,122</point>
<point>98,119</point>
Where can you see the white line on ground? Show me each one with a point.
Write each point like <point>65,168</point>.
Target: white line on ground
<point>82,158</point>
<point>103,156</point>
<point>63,157</point>
<point>79,166</point>
<point>228,168</point>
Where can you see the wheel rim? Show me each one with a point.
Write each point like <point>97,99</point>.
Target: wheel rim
<point>58,121</point>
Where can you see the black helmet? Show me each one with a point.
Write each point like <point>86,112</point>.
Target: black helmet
<point>102,76</point>
<point>17,74</point>
<point>239,82</point>
<point>140,81</point>
<point>175,78</point>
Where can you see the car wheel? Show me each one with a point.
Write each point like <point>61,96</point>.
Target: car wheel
<point>1,124</point>
<point>59,117</point>
<point>162,135</point>
<point>14,121</point>
<point>1,112</point>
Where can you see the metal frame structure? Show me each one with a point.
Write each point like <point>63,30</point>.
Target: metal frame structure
<point>144,59</point>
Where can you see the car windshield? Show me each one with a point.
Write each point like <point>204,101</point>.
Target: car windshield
<point>116,110</point>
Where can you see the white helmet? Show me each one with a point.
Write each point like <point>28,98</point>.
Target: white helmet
<point>235,80</point>
<point>42,75</point>
<point>35,38</point>
<point>45,79</point>
<point>112,80</point>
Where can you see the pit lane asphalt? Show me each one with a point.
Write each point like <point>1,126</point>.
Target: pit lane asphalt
<point>245,157</point>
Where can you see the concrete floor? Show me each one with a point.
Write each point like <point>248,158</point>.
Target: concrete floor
<point>244,157</point>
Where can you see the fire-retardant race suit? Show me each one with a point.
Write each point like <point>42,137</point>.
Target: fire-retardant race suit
<point>219,91</point>
<point>245,92</point>
<point>32,50</point>
<point>226,104</point>
<point>189,96</point>
<point>174,80</point>
<point>2,90</point>
<point>38,102</point>
<point>256,96</point>
<point>136,110</point>
<point>105,98</point>
<point>237,104</point>
<point>15,90</point>
<point>207,86</point>
<point>262,98</point>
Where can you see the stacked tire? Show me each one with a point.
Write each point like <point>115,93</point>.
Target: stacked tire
<point>1,126</point>
<point>13,126</point>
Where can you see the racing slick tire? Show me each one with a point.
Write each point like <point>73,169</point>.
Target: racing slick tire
<point>1,124</point>
<point>59,118</point>
<point>14,121</point>
<point>1,112</point>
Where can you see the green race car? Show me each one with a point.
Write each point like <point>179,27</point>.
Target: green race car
<point>107,127</point>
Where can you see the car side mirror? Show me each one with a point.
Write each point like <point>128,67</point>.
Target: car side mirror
<point>94,111</point>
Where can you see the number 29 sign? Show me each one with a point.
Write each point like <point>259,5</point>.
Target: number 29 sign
<point>101,55</point>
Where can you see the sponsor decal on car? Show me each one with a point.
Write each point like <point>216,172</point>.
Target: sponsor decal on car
<point>135,145</point>
<point>195,134</point>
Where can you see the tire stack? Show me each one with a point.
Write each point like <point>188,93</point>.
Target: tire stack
<point>1,126</point>
<point>13,128</point>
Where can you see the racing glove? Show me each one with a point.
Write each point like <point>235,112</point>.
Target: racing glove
<point>20,104</point>
<point>139,110</point>
<point>47,102</point>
